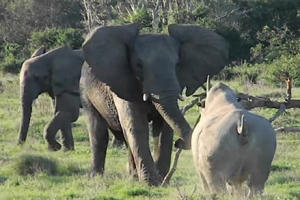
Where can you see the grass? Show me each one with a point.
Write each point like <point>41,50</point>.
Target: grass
<point>32,172</point>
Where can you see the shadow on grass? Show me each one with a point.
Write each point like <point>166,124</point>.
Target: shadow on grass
<point>107,198</point>
<point>295,194</point>
<point>276,168</point>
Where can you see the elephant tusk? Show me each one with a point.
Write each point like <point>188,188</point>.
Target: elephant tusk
<point>146,97</point>
<point>180,97</point>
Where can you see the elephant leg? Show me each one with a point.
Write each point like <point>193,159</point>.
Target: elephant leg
<point>98,135</point>
<point>157,124</point>
<point>117,143</point>
<point>52,128</point>
<point>118,139</point>
<point>66,111</point>
<point>135,126</point>
<point>131,167</point>
<point>162,155</point>
<point>67,137</point>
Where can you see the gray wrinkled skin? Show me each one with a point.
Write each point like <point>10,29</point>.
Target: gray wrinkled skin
<point>135,78</point>
<point>57,73</point>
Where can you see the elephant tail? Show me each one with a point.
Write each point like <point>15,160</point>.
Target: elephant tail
<point>242,128</point>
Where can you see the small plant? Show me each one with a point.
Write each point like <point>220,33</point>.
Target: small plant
<point>29,164</point>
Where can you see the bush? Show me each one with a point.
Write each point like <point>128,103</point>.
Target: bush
<point>274,43</point>
<point>55,37</point>
<point>29,164</point>
<point>242,73</point>
<point>13,55</point>
<point>267,73</point>
<point>12,66</point>
<point>282,65</point>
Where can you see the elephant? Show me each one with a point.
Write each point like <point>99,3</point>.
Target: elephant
<point>231,145</point>
<point>135,78</point>
<point>57,73</point>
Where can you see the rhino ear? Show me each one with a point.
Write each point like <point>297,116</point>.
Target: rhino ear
<point>38,52</point>
<point>242,125</point>
<point>202,52</point>
<point>106,53</point>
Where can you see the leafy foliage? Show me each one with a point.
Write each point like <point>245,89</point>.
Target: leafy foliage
<point>261,33</point>
<point>55,37</point>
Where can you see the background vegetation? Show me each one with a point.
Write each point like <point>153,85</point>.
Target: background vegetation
<point>264,38</point>
<point>264,35</point>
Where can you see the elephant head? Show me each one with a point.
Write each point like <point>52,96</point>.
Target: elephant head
<point>156,67</point>
<point>52,72</point>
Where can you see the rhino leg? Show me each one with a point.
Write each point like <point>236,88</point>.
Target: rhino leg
<point>204,183</point>
<point>215,182</point>
<point>256,183</point>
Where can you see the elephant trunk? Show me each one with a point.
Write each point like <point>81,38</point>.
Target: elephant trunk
<point>26,101</point>
<point>168,108</point>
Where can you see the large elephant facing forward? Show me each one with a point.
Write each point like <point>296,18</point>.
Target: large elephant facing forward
<point>57,73</point>
<point>132,77</point>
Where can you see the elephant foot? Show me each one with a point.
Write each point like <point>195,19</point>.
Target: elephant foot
<point>155,181</point>
<point>133,174</point>
<point>94,173</point>
<point>68,149</point>
<point>20,142</point>
<point>68,146</point>
<point>54,146</point>
<point>117,143</point>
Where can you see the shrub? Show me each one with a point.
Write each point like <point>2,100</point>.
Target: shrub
<point>13,55</point>
<point>30,164</point>
<point>245,72</point>
<point>12,66</point>
<point>55,37</point>
<point>283,65</point>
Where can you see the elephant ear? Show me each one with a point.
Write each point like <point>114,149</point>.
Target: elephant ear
<point>38,52</point>
<point>65,70</point>
<point>202,52</point>
<point>106,52</point>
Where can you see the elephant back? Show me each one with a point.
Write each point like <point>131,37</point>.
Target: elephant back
<point>66,70</point>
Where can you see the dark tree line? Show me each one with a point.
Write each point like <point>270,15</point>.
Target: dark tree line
<point>259,32</point>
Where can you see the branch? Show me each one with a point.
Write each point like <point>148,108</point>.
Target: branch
<point>193,102</point>
<point>249,102</point>
<point>234,12</point>
<point>278,113</point>
<point>287,129</point>
<point>189,106</point>
<point>167,178</point>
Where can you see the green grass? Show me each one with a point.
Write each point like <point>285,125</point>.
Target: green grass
<point>32,172</point>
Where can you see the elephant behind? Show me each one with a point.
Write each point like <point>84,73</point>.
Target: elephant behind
<point>57,73</point>
<point>232,145</point>
<point>133,78</point>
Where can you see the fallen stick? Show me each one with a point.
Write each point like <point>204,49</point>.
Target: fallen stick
<point>287,129</point>
<point>278,113</point>
<point>167,178</point>
<point>249,102</point>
